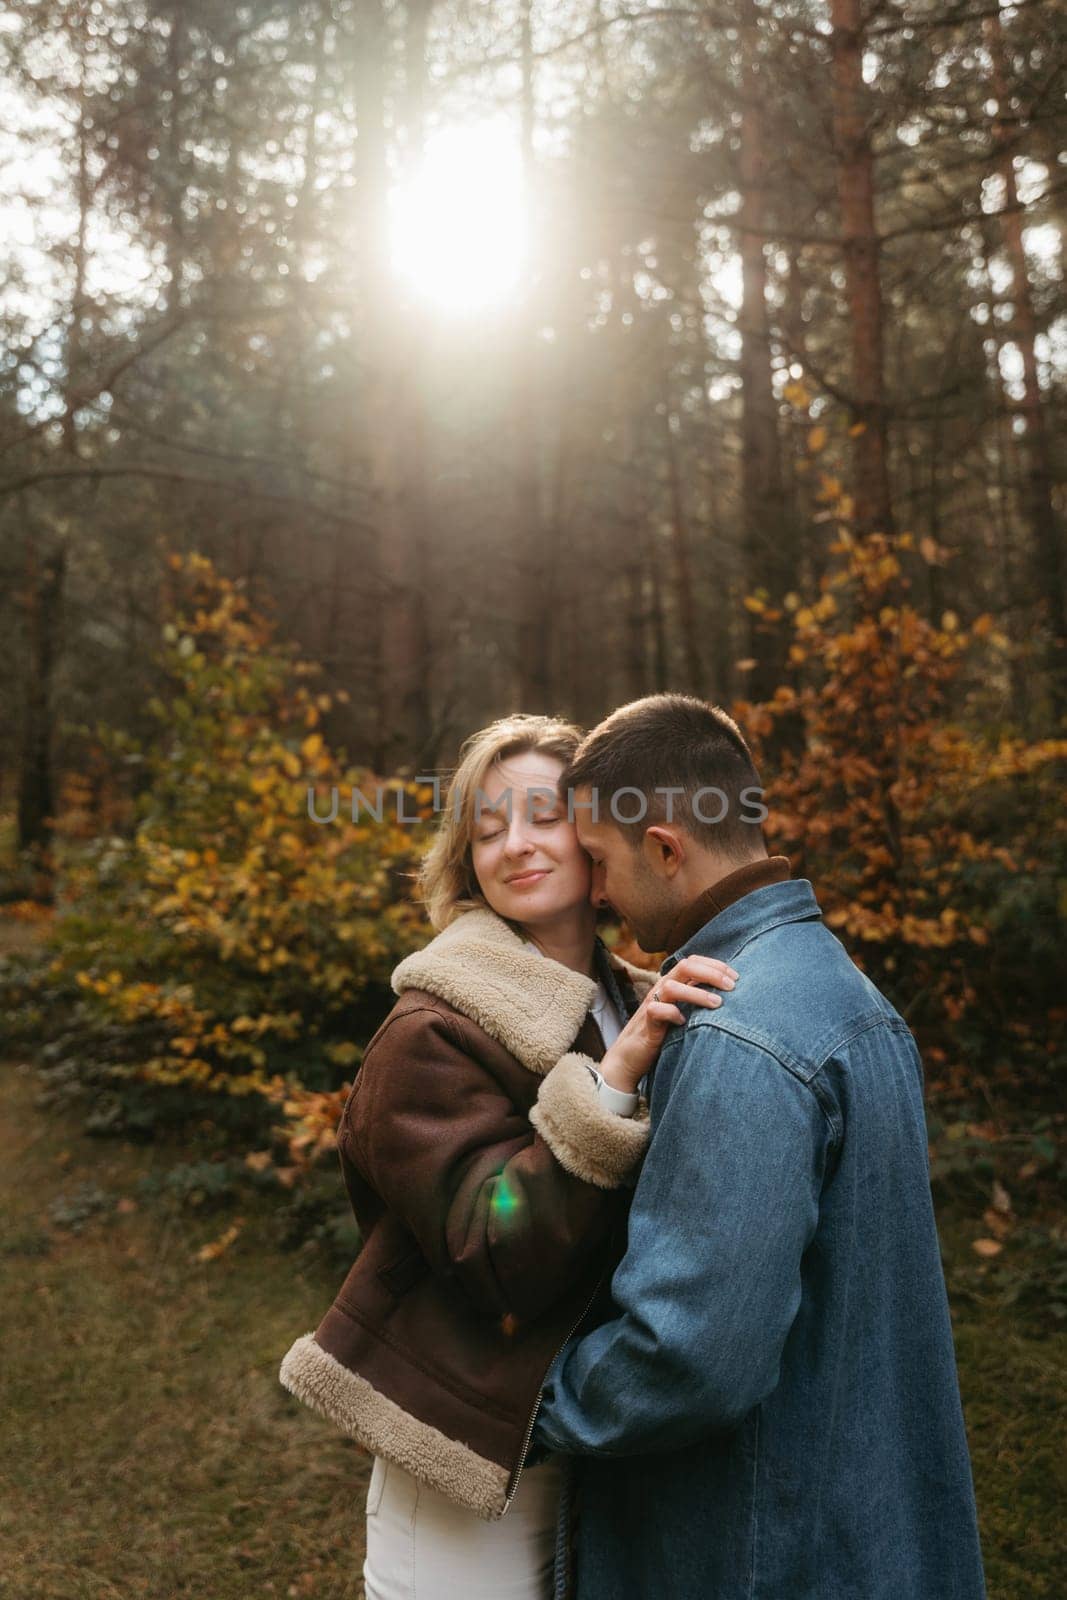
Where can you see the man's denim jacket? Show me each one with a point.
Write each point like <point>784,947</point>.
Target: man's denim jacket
<point>773,1412</point>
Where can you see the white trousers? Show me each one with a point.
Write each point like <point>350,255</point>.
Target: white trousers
<point>422,1546</point>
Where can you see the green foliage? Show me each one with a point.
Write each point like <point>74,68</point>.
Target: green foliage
<point>81,1205</point>
<point>318,1221</point>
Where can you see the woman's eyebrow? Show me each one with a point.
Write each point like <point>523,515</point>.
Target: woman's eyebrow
<point>540,797</point>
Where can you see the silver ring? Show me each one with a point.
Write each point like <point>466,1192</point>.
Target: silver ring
<point>655,994</point>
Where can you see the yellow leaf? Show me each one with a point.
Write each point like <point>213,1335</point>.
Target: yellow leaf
<point>218,1247</point>
<point>986,1247</point>
<point>856,429</point>
<point>311,746</point>
<point>817,440</point>
<point>344,1053</point>
<point>950,622</point>
<point>755,605</point>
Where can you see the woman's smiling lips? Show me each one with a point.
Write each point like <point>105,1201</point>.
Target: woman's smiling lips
<point>520,878</point>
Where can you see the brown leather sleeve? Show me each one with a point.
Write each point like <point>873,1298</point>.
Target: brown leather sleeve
<point>432,1127</point>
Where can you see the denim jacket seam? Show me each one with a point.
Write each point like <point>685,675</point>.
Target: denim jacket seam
<point>779,922</point>
<point>760,1041</point>
<point>894,1024</point>
<point>833,1123</point>
<point>755,1506</point>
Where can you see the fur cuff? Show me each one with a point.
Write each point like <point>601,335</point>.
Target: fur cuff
<point>591,1142</point>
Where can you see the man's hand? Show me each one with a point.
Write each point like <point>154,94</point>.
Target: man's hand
<point>638,1045</point>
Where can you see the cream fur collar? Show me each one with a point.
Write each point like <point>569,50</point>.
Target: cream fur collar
<point>530,1004</point>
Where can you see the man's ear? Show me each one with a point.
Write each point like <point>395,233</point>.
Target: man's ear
<point>663,849</point>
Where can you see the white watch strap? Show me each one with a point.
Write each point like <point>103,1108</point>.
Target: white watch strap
<point>616,1100</point>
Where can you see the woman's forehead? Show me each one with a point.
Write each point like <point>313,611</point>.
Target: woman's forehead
<point>531,770</point>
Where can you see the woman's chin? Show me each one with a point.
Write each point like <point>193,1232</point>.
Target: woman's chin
<point>540,904</point>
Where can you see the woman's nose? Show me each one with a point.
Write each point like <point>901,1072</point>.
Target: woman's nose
<point>518,842</point>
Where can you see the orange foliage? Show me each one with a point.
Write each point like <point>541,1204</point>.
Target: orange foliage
<point>877,792</point>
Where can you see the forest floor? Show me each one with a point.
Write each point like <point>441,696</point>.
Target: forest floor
<point>149,1449</point>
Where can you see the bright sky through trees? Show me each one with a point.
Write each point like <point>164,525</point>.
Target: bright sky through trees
<point>459,224</point>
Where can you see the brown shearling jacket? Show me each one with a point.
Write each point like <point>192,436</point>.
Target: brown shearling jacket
<point>490,1187</point>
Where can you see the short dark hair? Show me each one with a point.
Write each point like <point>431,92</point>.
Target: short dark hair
<point>673,742</point>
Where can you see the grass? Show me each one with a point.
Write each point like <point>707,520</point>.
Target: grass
<point>149,1449</point>
<point>1013,1381</point>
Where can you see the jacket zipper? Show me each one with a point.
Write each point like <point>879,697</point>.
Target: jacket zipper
<point>537,1403</point>
<point>614,989</point>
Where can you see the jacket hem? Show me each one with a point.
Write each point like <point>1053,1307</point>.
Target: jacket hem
<point>378,1423</point>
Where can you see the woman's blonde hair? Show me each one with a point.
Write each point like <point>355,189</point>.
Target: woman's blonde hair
<point>446,880</point>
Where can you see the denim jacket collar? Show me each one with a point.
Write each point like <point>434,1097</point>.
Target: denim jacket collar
<point>727,932</point>
<point>708,904</point>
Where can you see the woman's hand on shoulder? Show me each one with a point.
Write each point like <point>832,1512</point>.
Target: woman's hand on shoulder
<point>634,1051</point>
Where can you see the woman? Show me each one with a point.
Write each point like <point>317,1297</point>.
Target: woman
<point>489,1169</point>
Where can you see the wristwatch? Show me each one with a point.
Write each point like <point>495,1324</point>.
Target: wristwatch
<point>617,1100</point>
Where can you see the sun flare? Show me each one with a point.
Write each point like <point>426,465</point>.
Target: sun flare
<point>459,223</point>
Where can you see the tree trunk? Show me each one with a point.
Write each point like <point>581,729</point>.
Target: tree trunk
<point>660,659</point>
<point>1004,532</point>
<point>1045,531</point>
<point>535,560</point>
<point>390,415</point>
<point>682,563</point>
<point>36,799</point>
<point>855,189</point>
<point>770,557</point>
<point>175,249</point>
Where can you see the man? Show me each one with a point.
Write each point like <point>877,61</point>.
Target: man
<point>772,1411</point>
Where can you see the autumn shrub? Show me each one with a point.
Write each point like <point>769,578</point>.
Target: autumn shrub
<point>936,838</point>
<point>230,955</point>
